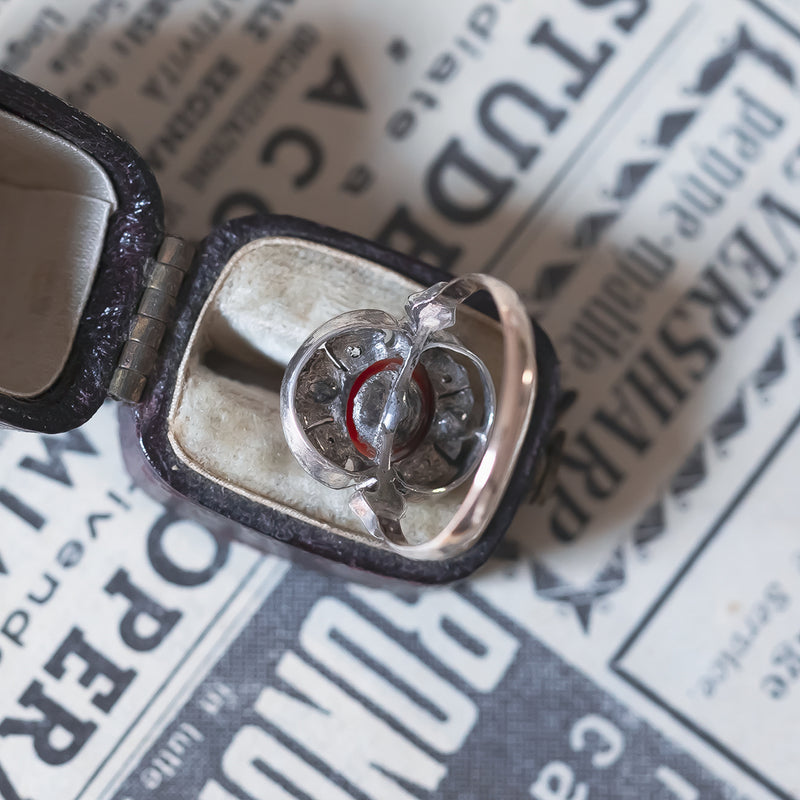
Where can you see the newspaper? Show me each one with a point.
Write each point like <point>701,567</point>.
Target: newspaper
<point>632,167</point>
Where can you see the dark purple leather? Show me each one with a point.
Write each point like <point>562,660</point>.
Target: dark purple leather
<point>151,458</point>
<point>134,233</point>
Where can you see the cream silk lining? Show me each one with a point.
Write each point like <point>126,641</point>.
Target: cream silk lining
<point>55,202</point>
<point>225,421</point>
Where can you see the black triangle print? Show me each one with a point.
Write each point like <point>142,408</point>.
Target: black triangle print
<point>631,177</point>
<point>612,575</point>
<point>650,526</point>
<point>546,581</point>
<point>608,580</point>
<point>589,230</point>
<point>691,474</point>
<point>552,279</point>
<point>773,368</point>
<point>732,421</point>
<point>338,88</point>
<point>672,126</point>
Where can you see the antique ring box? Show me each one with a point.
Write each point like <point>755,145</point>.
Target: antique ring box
<point>98,301</point>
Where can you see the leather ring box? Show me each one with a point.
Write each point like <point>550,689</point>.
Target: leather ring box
<point>195,345</point>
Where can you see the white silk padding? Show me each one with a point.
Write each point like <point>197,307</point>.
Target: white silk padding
<point>225,416</point>
<point>55,203</point>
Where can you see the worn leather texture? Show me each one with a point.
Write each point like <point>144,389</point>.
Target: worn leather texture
<point>134,232</point>
<point>151,457</point>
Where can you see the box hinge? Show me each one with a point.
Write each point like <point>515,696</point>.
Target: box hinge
<point>152,317</point>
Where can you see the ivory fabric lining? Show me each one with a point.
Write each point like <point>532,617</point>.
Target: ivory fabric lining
<point>225,417</point>
<point>55,203</point>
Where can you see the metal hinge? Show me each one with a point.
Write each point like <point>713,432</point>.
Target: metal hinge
<point>150,323</point>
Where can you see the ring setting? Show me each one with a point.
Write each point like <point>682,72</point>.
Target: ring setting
<point>401,411</point>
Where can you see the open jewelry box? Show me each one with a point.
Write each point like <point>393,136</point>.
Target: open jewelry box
<point>196,345</point>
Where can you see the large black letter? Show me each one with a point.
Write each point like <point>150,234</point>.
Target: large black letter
<point>587,69</point>
<point>96,664</point>
<point>175,573</point>
<point>524,154</point>
<point>41,730</point>
<point>625,23</point>
<point>454,159</point>
<point>56,446</point>
<point>404,234</point>
<point>576,521</point>
<point>142,606</point>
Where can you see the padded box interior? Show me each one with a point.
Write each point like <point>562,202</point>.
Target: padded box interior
<point>224,420</point>
<point>55,204</point>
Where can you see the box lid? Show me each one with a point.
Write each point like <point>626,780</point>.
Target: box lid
<point>82,217</point>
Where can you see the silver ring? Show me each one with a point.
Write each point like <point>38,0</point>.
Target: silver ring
<point>401,410</point>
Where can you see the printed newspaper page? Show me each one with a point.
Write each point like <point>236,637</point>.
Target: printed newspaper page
<point>632,168</point>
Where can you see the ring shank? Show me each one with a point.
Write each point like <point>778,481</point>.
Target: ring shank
<point>514,408</point>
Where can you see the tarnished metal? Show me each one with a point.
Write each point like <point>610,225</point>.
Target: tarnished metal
<point>150,323</point>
